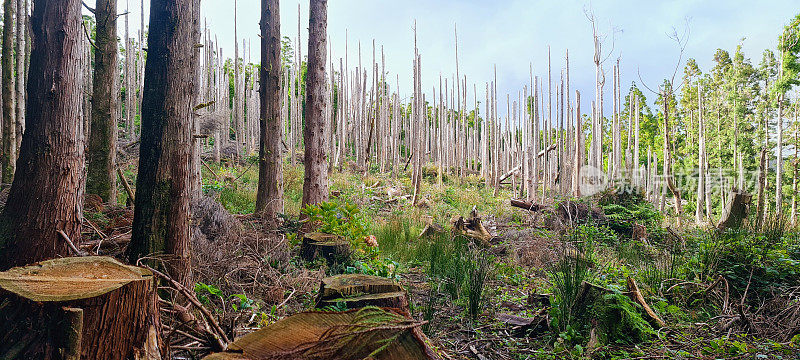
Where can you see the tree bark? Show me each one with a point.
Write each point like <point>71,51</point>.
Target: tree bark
<point>8,155</point>
<point>101,155</point>
<point>779,161</point>
<point>161,212</point>
<point>21,50</point>
<point>68,312</point>
<point>47,192</point>
<point>315,183</point>
<point>269,198</point>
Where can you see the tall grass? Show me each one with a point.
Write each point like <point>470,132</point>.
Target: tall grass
<point>566,277</point>
<point>451,263</point>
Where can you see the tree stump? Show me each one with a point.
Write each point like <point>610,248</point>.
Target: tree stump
<point>736,210</point>
<point>473,228</point>
<point>333,248</point>
<point>369,333</point>
<point>82,308</point>
<point>358,291</point>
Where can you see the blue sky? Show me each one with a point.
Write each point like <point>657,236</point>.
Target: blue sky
<point>512,34</point>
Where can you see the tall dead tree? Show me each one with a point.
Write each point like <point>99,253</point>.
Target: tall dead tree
<point>44,207</point>
<point>161,212</point>
<point>8,152</point>
<point>269,198</point>
<point>101,175</point>
<point>315,182</point>
<point>21,50</point>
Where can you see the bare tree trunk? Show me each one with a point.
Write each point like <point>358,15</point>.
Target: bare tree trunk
<point>22,19</point>
<point>269,199</point>
<point>101,175</point>
<point>161,214</point>
<point>315,182</point>
<point>578,159</point>
<point>668,161</point>
<point>51,161</point>
<point>701,161</point>
<point>779,162</point>
<point>8,155</point>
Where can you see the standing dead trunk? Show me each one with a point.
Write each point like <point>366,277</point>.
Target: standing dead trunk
<point>161,212</point>
<point>578,160</point>
<point>21,50</point>
<point>8,152</point>
<point>269,199</point>
<point>779,160</point>
<point>315,183</point>
<point>670,180</point>
<point>101,155</point>
<point>51,161</point>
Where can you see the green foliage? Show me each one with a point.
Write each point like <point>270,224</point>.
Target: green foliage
<point>375,267</point>
<point>627,206</point>
<point>339,219</point>
<point>206,292</point>
<point>619,321</point>
<point>237,201</point>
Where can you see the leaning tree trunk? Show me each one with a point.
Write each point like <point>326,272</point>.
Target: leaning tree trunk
<point>269,198</point>
<point>90,308</point>
<point>315,183</point>
<point>101,176</point>
<point>161,212</point>
<point>47,191</point>
<point>8,149</point>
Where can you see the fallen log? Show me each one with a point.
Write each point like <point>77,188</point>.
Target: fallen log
<point>527,205</point>
<point>81,308</point>
<point>636,295</point>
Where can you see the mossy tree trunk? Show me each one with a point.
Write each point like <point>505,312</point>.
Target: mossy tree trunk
<point>101,176</point>
<point>47,192</point>
<point>161,212</point>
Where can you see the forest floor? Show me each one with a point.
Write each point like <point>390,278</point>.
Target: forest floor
<point>733,294</point>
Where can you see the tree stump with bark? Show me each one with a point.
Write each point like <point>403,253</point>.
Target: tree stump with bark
<point>358,291</point>
<point>736,211</point>
<point>332,248</point>
<point>82,308</point>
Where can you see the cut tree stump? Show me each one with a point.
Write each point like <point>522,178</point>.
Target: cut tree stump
<point>472,227</point>
<point>332,248</point>
<point>736,210</point>
<point>369,333</point>
<point>79,308</point>
<point>358,291</point>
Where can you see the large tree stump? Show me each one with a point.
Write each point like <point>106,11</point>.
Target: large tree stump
<point>79,308</point>
<point>358,291</point>
<point>736,210</point>
<point>333,248</point>
<point>369,333</point>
